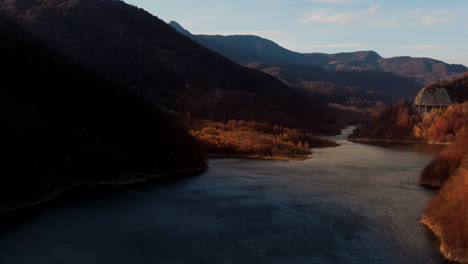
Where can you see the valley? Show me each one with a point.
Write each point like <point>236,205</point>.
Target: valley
<point>130,139</point>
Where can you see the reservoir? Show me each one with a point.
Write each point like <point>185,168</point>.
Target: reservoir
<point>356,203</point>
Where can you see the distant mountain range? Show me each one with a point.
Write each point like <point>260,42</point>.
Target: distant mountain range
<point>245,49</point>
<point>127,44</point>
<point>367,87</point>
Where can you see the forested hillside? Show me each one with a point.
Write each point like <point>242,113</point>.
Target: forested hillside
<point>368,85</point>
<point>127,43</point>
<point>401,122</point>
<point>63,125</point>
<point>446,213</point>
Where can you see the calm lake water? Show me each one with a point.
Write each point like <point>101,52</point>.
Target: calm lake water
<point>356,203</point>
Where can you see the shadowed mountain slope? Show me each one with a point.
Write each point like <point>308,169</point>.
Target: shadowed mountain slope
<point>127,43</point>
<point>372,86</point>
<point>63,125</point>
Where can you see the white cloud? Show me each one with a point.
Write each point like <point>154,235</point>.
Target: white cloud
<point>330,1</point>
<point>441,12</point>
<point>373,9</point>
<point>323,15</point>
<point>340,46</point>
<point>432,20</point>
<point>392,21</point>
<point>425,47</point>
<point>386,22</point>
<point>435,17</point>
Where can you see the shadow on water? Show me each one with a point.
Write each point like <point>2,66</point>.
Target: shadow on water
<point>78,195</point>
<point>356,203</point>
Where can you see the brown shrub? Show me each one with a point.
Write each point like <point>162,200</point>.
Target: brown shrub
<point>253,138</point>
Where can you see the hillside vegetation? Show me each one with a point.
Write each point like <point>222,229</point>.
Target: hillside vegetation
<point>401,122</point>
<point>457,87</point>
<point>359,86</point>
<point>63,125</point>
<point>130,45</point>
<point>253,139</point>
<point>446,214</point>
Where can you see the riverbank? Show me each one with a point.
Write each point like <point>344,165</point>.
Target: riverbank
<point>329,209</point>
<point>125,179</point>
<point>446,213</point>
<point>259,157</point>
<point>374,140</point>
<point>450,254</point>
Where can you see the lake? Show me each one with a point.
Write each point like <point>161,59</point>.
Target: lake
<point>356,203</point>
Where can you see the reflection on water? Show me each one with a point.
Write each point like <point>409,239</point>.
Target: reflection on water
<point>356,203</point>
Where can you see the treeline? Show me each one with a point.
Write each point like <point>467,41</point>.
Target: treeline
<point>402,122</point>
<point>256,139</point>
<point>396,122</point>
<point>446,214</point>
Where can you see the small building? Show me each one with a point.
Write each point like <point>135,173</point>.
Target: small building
<point>426,101</point>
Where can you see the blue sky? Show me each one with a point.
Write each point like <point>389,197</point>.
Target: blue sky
<point>430,28</point>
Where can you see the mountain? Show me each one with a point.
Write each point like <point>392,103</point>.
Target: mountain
<point>127,43</point>
<point>367,86</point>
<point>63,125</point>
<point>248,49</point>
<point>245,49</point>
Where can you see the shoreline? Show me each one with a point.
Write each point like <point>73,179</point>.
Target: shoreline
<point>134,178</point>
<point>127,179</point>
<point>257,157</point>
<point>373,140</point>
<point>442,248</point>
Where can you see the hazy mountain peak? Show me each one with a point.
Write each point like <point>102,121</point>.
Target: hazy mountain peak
<point>179,28</point>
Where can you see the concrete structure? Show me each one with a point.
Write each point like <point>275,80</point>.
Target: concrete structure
<point>426,101</point>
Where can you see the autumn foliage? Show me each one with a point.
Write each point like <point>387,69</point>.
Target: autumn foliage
<point>446,163</point>
<point>447,213</point>
<point>396,122</point>
<point>402,122</point>
<point>256,139</point>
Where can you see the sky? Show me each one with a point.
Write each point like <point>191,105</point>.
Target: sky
<point>418,28</point>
